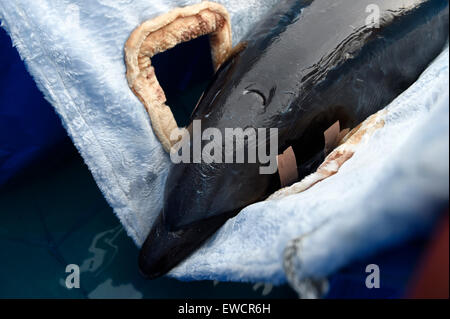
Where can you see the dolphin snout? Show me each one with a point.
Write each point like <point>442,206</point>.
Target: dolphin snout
<point>164,249</point>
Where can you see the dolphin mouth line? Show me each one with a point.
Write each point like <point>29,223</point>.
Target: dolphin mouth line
<point>163,33</point>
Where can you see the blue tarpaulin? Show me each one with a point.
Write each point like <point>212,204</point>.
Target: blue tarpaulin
<point>29,126</point>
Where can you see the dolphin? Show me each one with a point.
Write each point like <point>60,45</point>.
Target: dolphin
<point>304,66</point>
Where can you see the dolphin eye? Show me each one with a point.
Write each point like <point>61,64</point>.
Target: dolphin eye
<point>257,94</point>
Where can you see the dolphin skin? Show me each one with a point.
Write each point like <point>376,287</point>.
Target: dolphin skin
<point>304,66</point>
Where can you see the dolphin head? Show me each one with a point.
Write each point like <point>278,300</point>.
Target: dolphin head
<point>218,176</point>
<point>231,146</point>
